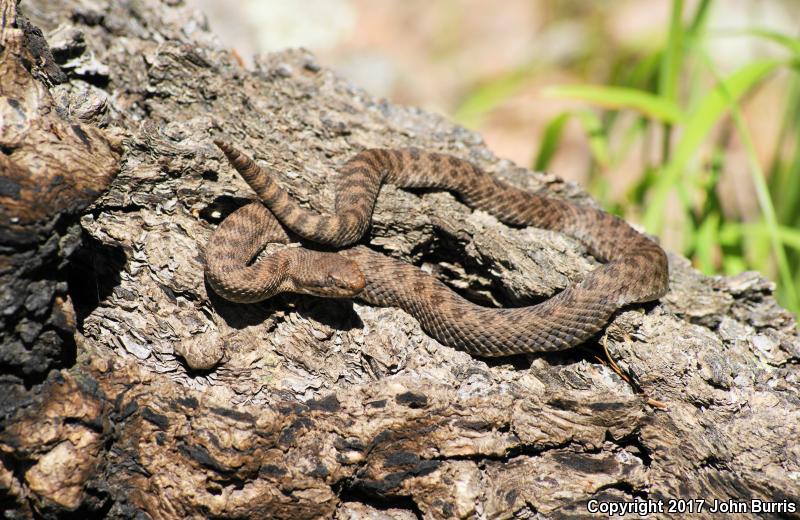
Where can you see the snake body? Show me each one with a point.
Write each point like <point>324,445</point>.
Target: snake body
<point>635,268</point>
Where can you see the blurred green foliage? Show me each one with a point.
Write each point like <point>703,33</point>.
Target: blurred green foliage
<point>679,97</point>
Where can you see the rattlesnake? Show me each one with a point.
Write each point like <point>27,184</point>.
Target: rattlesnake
<point>635,271</point>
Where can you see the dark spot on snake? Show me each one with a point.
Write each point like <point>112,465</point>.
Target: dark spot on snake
<point>380,403</point>
<point>354,175</point>
<point>328,404</point>
<point>156,418</point>
<point>379,157</point>
<point>189,402</point>
<point>369,157</point>
<point>394,160</point>
<point>9,188</point>
<point>161,439</point>
<point>81,135</point>
<point>412,400</point>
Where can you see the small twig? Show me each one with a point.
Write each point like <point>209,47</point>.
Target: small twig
<point>649,400</point>
<point>614,366</point>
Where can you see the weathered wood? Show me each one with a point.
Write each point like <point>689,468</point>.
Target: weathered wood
<point>304,408</point>
<point>51,169</point>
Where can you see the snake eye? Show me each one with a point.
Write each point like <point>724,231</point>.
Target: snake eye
<point>349,281</point>
<point>335,281</point>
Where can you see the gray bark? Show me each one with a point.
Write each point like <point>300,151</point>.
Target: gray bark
<point>177,404</point>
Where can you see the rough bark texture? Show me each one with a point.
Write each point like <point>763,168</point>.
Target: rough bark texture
<point>305,408</point>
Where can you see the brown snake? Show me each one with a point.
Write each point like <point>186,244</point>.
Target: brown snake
<point>635,270</point>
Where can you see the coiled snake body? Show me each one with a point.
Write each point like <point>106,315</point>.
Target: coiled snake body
<point>635,270</point>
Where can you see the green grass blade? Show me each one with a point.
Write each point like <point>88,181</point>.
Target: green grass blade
<point>641,75</point>
<point>598,142</point>
<point>785,174</point>
<point>790,237</point>
<point>620,98</point>
<point>698,125</point>
<point>487,96</point>
<point>550,140</point>
<point>790,193</point>
<point>792,44</point>
<point>786,235</point>
<point>730,233</point>
<point>697,26</point>
<point>787,287</point>
<point>673,55</point>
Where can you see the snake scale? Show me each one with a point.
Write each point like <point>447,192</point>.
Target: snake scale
<point>635,268</point>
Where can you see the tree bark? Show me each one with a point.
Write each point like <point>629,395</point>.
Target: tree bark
<point>132,391</point>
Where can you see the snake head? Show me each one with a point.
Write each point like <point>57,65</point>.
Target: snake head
<point>332,277</point>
